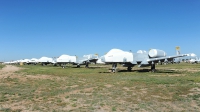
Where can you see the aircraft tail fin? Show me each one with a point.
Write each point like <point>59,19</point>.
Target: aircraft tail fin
<point>178,52</point>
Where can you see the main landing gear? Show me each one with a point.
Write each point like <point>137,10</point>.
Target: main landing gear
<point>153,67</point>
<point>86,65</point>
<point>44,64</point>
<point>129,68</point>
<point>114,66</point>
<point>63,65</point>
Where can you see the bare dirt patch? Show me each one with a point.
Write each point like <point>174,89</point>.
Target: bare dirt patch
<point>8,70</point>
<point>193,70</point>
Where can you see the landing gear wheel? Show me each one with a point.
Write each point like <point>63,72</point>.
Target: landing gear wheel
<point>63,65</point>
<point>129,68</point>
<point>113,70</point>
<point>114,67</point>
<point>86,65</point>
<point>153,68</point>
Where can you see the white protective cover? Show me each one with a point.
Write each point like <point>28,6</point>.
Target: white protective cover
<point>33,60</point>
<point>156,53</point>
<point>117,55</point>
<point>45,59</point>
<point>25,60</point>
<point>19,61</point>
<point>193,55</point>
<point>66,58</point>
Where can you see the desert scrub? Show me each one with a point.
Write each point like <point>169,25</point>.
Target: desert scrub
<point>1,66</point>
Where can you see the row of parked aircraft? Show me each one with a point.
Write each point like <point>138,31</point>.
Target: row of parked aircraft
<point>193,59</point>
<point>62,60</point>
<point>114,56</point>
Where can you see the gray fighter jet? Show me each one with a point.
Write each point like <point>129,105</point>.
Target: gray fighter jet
<point>141,58</point>
<point>86,60</point>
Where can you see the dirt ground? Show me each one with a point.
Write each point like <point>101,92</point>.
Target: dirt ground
<point>8,71</point>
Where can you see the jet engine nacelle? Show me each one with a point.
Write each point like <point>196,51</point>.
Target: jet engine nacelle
<point>156,53</point>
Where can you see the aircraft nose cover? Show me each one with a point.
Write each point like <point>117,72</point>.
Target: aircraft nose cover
<point>155,53</point>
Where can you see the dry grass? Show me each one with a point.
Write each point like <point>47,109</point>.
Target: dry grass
<point>37,88</point>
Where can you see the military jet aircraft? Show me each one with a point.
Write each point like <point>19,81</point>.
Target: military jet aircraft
<point>194,61</point>
<point>65,59</point>
<point>33,61</point>
<point>6,62</point>
<point>141,58</point>
<point>25,61</point>
<point>86,60</point>
<point>46,60</point>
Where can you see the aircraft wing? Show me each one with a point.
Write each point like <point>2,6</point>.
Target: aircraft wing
<point>169,58</point>
<point>146,62</point>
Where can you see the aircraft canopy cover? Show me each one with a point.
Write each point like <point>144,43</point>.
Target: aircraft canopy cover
<point>113,51</point>
<point>64,56</point>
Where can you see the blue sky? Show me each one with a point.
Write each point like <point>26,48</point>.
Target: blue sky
<point>36,28</point>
